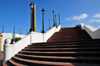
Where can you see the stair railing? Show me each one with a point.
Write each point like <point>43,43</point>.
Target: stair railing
<point>12,49</point>
<point>93,32</point>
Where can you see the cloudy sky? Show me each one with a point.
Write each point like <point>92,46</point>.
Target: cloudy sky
<point>17,13</point>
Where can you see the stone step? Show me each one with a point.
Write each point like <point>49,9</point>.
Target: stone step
<point>66,43</point>
<point>61,49</point>
<point>73,34</point>
<point>61,59</point>
<point>14,63</point>
<point>46,63</point>
<point>75,54</point>
<point>68,47</point>
<point>63,46</point>
<point>62,52</point>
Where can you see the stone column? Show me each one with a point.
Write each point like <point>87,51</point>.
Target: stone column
<point>34,27</point>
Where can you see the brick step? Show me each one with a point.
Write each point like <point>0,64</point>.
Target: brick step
<point>61,59</point>
<point>14,63</point>
<point>68,47</point>
<point>67,32</point>
<point>65,40</point>
<point>46,63</point>
<point>75,54</point>
<point>67,43</point>
<point>61,49</point>
<point>73,34</point>
<point>64,35</point>
<point>63,46</point>
<point>52,44</point>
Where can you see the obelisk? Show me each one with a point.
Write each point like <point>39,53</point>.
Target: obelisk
<point>33,17</point>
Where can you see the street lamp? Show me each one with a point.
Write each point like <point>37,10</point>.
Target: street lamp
<point>49,23</point>
<point>14,30</point>
<point>20,31</point>
<point>59,18</point>
<point>26,32</point>
<point>53,18</point>
<point>43,20</point>
<point>3,29</point>
<point>13,40</point>
<point>31,5</point>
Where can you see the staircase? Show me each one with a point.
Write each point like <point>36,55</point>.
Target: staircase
<point>70,34</point>
<point>68,47</point>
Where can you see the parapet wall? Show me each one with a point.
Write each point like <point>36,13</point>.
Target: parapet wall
<point>9,35</point>
<point>33,37</point>
<point>93,32</point>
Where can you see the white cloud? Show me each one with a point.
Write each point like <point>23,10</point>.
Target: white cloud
<point>96,15</point>
<point>82,16</point>
<point>97,20</point>
<point>92,20</point>
<point>67,19</point>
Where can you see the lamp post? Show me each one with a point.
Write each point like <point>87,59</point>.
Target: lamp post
<point>53,18</point>
<point>20,31</point>
<point>31,6</point>
<point>26,32</point>
<point>59,18</point>
<point>13,36</point>
<point>14,31</point>
<point>49,23</point>
<point>43,20</point>
<point>3,29</point>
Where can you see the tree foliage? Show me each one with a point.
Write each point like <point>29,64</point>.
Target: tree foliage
<point>16,39</point>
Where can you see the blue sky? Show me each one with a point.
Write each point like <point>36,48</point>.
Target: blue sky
<point>17,13</point>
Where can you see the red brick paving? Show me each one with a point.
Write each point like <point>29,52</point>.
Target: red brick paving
<point>1,58</point>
